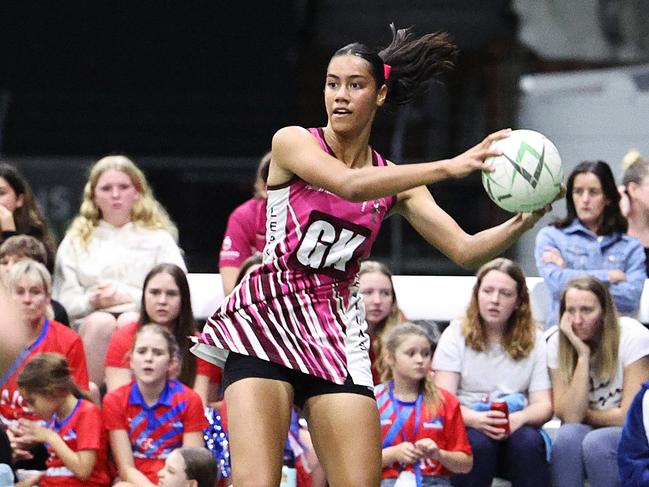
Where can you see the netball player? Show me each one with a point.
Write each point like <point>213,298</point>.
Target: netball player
<point>294,328</point>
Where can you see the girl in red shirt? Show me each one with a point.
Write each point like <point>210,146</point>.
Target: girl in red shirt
<point>423,435</point>
<point>75,437</point>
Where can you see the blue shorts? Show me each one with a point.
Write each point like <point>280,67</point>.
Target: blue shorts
<point>305,386</point>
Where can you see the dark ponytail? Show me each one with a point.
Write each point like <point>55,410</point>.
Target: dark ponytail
<point>414,61</point>
<point>49,374</point>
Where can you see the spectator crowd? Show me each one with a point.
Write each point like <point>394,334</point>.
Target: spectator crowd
<point>107,392</point>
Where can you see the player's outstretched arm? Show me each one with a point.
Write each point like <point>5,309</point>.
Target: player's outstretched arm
<point>297,152</point>
<point>442,231</point>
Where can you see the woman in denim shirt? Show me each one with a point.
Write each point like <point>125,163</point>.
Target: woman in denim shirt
<point>591,240</point>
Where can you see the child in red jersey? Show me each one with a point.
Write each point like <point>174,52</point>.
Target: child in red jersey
<point>75,437</point>
<point>423,435</point>
<point>153,415</point>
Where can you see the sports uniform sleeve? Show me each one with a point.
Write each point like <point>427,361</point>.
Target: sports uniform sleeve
<point>89,426</point>
<point>194,417</point>
<point>454,429</point>
<point>633,450</point>
<point>236,246</point>
<point>113,411</point>
<point>66,286</point>
<point>76,358</point>
<point>449,353</point>
<point>118,348</point>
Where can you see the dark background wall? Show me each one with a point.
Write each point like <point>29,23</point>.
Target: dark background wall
<point>193,92</point>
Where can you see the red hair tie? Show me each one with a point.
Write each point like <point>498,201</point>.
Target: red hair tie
<point>386,71</point>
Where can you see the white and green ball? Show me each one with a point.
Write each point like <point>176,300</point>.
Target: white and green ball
<point>527,176</point>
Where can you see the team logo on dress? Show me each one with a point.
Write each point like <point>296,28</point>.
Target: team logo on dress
<point>328,244</point>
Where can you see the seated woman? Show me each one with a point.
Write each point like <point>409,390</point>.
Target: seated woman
<point>496,353</point>
<point>19,212</point>
<point>166,302</point>
<point>153,415</point>
<point>121,232</point>
<point>23,247</point>
<point>29,283</point>
<point>597,364</point>
<point>591,239</point>
<point>381,307</point>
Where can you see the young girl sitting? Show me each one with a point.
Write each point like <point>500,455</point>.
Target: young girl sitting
<point>424,440</point>
<point>153,415</point>
<point>75,438</point>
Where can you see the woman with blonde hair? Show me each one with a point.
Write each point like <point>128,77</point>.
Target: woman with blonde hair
<point>381,307</point>
<point>497,354</point>
<point>29,284</point>
<point>597,361</point>
<point>121,232</point>
<point>634,193</point>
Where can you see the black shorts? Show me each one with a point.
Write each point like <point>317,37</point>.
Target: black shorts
<point>238,366</point>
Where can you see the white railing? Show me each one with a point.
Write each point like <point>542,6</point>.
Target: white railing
<point>439,298</point>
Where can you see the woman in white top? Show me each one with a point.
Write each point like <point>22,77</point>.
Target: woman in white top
<point>495,354</point>
<point>597,363</point>
<point>121,232</point>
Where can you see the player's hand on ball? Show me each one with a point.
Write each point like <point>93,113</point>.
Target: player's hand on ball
<point>474,159</point>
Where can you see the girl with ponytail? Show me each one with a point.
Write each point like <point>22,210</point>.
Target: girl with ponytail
<point>74,434</point>
<point>423,435</point>
<point>294,328</point>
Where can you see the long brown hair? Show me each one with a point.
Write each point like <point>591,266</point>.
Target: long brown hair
<point>391,341</point>
<point>184,325</point>
<point>49,374</point>
<point>520,334</point>
<point>28,218</point>
<point>606,355</point>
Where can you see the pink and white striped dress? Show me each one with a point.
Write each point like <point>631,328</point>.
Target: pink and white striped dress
<point>301,308</point>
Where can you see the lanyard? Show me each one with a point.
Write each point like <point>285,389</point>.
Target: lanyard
<point>24,354</point>
<point>403,415</point>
